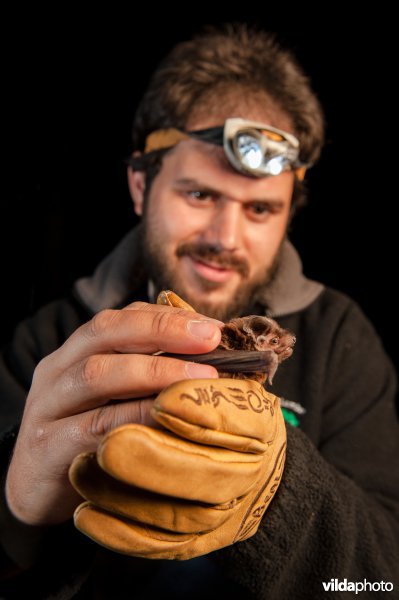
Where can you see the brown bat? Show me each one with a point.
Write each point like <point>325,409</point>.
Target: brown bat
<point>251,347</point>
<point>262,334</point>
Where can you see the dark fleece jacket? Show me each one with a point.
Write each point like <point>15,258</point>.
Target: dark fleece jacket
<point>336,512</point>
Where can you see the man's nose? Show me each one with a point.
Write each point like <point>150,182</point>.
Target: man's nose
<point>225,228</point>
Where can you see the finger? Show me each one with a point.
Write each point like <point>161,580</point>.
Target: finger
<point>141,329</point>
<point>166,512</point>
<point>189,313</point>
<point>176,467</point>
<point>129,537</point>
<point>97,379</point>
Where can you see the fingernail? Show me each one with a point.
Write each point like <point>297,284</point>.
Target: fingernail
<point>196,371</point>
<point>217,322</point>
<point>202,329</point>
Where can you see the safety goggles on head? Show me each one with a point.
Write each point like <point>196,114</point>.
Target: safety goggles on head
<point>252,148</point>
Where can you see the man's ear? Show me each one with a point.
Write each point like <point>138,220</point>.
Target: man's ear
<point>136,183</point>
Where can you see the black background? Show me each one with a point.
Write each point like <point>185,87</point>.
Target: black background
<point>70,89</point>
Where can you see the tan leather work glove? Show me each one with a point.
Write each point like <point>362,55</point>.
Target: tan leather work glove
<point>198,485</point>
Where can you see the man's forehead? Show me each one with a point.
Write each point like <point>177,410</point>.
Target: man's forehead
<point>189,152</point>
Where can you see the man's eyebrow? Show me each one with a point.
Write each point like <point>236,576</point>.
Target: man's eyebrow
<point>197,185</point>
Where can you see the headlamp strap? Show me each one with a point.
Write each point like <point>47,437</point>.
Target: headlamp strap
<point>163,138</point>
<point>166,138</point>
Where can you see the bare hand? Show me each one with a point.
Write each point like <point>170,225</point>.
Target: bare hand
<point>103,376</point>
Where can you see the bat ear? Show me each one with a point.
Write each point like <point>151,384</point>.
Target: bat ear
<point>232,337</point>
<point>251,334</point>
<point>257,325</point>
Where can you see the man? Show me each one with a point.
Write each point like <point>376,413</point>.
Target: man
<point>215,207</point>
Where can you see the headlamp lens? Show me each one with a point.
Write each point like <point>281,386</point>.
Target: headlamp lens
<point>276,165</point>
<point>250,151</point>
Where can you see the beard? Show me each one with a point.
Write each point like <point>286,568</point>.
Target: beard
<point>165,277</point>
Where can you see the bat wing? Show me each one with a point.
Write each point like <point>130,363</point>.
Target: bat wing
<point>234,361</point>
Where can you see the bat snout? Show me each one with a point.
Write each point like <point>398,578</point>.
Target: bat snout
<point>285,353</point>
<point>286,347</point>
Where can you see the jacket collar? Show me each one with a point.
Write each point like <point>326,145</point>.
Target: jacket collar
<point>122,272</point>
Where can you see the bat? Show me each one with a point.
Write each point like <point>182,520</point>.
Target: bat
<point>259,334</point>
<point>251,347</point>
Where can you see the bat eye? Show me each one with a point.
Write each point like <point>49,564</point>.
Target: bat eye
<point>274,341</point>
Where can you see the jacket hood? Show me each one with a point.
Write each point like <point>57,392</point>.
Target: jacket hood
<point>120,273</point>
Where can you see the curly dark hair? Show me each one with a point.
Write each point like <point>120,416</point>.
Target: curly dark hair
<point>231,57</point>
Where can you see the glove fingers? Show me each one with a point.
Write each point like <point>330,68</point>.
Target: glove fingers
<point>129,537</point>
<point>146,507</point>
<point>223,412</point>
<point>161,462</point>
<point>210,437</point>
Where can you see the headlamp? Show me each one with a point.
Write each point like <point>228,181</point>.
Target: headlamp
<point>259,150</point>
<point>252,148</point>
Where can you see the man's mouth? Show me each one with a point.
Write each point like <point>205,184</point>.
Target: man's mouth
<point>210,270</point>
<point>212,262</point>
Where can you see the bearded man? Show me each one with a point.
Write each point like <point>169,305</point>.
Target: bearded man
<point>221,143</point>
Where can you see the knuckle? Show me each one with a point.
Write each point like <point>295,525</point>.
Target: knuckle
<point>161,324</point>
<point>42,366</point>
<point>42,375</point>
<point>36,437</point>
<point>40,436</point>
<point>102,321</point>
<point>37,377</point>
<point>138,305</point>
<point>92,369</point>
<point>99,422</point>
<point>156,369</point>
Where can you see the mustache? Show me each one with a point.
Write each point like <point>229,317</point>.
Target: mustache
<point>216,254</point>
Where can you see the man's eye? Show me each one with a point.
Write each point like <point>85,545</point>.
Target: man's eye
<point>258,208</point>
<point>198,195</point>
<point>199,198</point>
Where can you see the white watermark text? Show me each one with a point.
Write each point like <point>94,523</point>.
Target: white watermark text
<point>335,585</point>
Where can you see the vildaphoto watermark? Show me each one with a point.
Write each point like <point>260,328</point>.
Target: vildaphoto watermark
<point>335,585</point>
